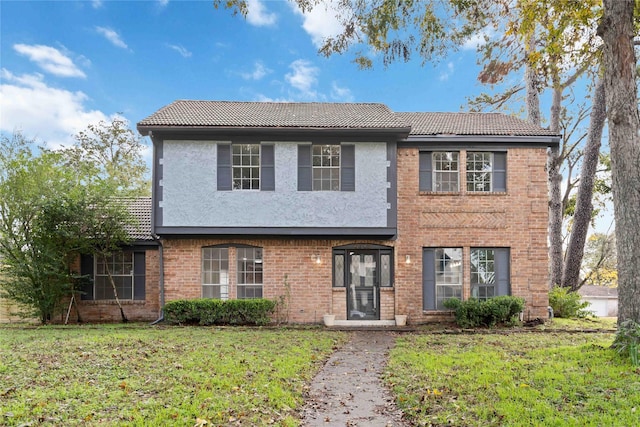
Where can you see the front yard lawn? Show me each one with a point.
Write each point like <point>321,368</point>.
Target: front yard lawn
<point>110,374</point>
<point>518,379</point>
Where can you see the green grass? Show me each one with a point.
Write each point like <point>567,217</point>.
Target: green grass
<point>154,376</point>
<point>519,379</point>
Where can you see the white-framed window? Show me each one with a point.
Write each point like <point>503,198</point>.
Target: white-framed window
<point>215,273</point>
<point>120,267</point>
<point>448,275</point>
<point>479,171</point>
<point>245,164</point>
<point>325,161</point>
<point>445,171</point>
<point>249,273</point>
<point>483,273</point>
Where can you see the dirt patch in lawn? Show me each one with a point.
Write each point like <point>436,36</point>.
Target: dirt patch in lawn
<point>348,390</point>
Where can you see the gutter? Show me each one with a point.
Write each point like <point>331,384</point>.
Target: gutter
<point>161,255</point>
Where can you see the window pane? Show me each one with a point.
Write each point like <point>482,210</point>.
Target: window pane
<point>120,267</point>
<point>479,171</point>
<point>338,270</point>
<point>215,272</point>
<point>326,167</point>
<point>385,270</point>
<point>246,166</point>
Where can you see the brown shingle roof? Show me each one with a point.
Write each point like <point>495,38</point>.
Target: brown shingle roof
<point>470,124</point>
<point>140,208</point>
<point>274,114</point>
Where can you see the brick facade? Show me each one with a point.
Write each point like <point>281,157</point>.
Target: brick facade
<point>515,219</point>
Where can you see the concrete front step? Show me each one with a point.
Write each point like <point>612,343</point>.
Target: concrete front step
<point>360,323</point>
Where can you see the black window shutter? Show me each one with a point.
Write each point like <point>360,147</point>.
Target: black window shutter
<point>428,279</point>
<point>425,178</point>
<point>139,268</point>
<point>224,167</point>
<point>304,168</point>
<point>267,168</point>
<point>500,171</point>
<point>503,285</point>
<point>86,269</point>
<point>348,168</point>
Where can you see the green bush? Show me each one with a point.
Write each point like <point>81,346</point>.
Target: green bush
<point>473,312</point>
<point>627,342</point>
<point>567,304</point>
<point>208,311</point>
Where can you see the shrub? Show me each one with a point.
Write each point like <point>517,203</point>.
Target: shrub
<point>208,311</point>
<point>567,304</point>
<point>627,342</point>
<point>473,312</point>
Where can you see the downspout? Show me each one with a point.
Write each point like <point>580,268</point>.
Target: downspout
<point>161,255</point>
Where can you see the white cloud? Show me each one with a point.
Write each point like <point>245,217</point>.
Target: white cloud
<point>303,77</point>
<point>40,111</point>
<point>258,72</point>
<point>444,75</point>
<point>163,3</point>
<point>112,36</point>
<point>341,94</point>
<point>477,40</point>
<point>50,59</point>
<point>258,15</point>
<point>180,49</point>
<point>321,22</point>
<point>97,4</point>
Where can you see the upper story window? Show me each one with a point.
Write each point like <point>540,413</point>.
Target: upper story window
<point>486,171</point>
<point>246,166</point>
<point>326,167</point>
<point>439,171</point>
<point>445,171</point>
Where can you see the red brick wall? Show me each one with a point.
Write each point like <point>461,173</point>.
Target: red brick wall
<point>516,219</point>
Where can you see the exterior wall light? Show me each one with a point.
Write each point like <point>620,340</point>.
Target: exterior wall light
<point>407,259</point>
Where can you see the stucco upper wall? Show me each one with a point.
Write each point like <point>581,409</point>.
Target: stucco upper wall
<point>190,197</point>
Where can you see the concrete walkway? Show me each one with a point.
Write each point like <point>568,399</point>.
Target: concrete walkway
<point>348,390</point>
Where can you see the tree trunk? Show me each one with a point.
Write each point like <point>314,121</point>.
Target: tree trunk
<point>531,82</point>
<point>115,290</point>
<point>584,205</point>
<point>617,32</point>
<point>554,162</point>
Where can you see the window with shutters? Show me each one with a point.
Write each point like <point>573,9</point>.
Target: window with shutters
<point>325,161</point>
<point>486,171</point>
<point>489,272</point>
<point>246,166</point>
<point>127,269</point>
<point>445,171</point>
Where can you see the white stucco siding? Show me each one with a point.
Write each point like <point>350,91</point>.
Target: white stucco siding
<point>190,197</point>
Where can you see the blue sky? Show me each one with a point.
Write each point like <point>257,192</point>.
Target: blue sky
<point>65,64</point>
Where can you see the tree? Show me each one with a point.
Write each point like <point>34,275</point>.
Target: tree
<point>50,213</point>
<point>618,28</point>
<point>111,151</point>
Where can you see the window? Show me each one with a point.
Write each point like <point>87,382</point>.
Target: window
<point>215,273</point>
<point>246,166</point>
<point>489,272</point>
<point>217,277</point>
<point>448,275</point>
<point>249,273</point>
<point>442,276</point>
<point>445,171</point>
<point>126,268</point>
<point>120,267</point>
<point>486,172</point>
<point>326,167</point>
<point>439,171</point>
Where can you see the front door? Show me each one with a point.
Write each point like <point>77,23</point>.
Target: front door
<point>363,287</point>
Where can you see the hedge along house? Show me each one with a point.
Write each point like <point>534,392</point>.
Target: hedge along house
<point>348,209</point>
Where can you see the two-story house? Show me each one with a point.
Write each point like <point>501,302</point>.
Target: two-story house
<point>348,208</point>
